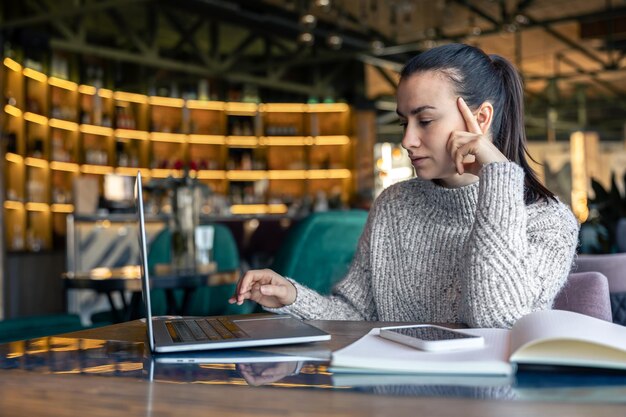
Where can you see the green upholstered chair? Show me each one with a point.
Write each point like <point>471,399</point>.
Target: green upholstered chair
<point>214,300</point>
<point>318,251</point>
<point>159,252</point>
<point>24,328</point>
<point>206,300</point>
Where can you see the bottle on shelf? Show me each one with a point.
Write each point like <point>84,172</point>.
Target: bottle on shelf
<point>124,118</point>
<point>59,150</point>
<point>37,148</point>
<point>122,155</point>
<point>9,98</point>
<point>96,157</point>
<point>32,105</point>
<point>35,190</point>
<point>11,141</point>
<point>18,239</point>
<point>60,196</point>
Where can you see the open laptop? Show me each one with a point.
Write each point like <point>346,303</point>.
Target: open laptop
<point>184,334</point>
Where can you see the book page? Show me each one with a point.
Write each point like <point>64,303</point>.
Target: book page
<point>343,379</point>
<point>566,338</point>
<point>373,353</point>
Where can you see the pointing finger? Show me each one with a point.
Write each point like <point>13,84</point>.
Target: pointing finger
<point>470,120</point>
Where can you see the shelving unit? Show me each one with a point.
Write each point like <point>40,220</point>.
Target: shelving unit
<point>261,156</point>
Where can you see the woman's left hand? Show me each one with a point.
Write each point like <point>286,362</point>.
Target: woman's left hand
<point>472,149</point>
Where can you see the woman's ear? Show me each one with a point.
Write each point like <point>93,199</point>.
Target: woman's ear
<point>484,116</point>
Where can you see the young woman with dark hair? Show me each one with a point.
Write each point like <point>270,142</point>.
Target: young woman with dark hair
<point>474,238</point>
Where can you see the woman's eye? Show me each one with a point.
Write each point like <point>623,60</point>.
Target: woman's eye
<point>425,122</point>
<point>403,124</point>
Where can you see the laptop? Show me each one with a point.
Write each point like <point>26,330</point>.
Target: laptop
<point>186,334</point>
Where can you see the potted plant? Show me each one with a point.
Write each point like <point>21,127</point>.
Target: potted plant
<point>602,232</point>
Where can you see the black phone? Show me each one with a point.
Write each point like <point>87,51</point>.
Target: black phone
<point>432,338</point>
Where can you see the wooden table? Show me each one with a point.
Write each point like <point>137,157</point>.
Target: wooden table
<point>43,393</point>
<point>123,283</point>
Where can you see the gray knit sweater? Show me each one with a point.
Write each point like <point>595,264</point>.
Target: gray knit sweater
<point>475,255</point>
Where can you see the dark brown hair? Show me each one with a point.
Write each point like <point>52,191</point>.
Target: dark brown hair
<point>477,78</point>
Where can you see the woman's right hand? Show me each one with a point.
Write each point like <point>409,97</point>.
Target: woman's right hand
<point>265,287</point>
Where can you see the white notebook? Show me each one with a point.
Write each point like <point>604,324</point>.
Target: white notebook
<point>550,337</point>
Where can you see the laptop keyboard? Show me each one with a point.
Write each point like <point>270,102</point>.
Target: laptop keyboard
<point>199,330</point>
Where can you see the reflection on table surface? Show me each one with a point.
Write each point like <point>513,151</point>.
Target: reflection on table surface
<point>295,368</point>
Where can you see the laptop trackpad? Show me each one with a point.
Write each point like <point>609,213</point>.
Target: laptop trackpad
<point>276,327</point>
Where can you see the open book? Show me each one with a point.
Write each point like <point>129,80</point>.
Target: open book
<point>550,337</point>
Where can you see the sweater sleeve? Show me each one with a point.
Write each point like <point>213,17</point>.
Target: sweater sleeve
<point>351,298</point>
<point>517,256</point>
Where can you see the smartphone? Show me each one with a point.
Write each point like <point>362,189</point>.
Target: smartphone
<point>432,338</point>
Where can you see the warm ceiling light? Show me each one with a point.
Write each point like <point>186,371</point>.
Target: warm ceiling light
<point>377,47</point>
<point>334,41</point>
<point>306,38</point>
<point>522,19</point>
<point>308,21</point>
<point>323,4</point>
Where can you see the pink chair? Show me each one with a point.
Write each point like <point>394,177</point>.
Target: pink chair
<point>586,293</point>
<point>613,266</point>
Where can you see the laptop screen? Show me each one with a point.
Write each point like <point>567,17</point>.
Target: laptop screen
<point>143,251</point>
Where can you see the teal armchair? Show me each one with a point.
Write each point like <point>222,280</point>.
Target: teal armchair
<point>24,328</point>
<point>210,301</point>
<point>318,251</point>
<point>206,301</point>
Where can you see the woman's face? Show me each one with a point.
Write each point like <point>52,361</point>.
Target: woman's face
<point>428,110</point>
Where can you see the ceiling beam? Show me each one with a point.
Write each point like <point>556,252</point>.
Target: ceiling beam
<point>58,13</point>
<point>534,22</point>
<point>181,66</point>
<point>187,35</point>
<point>235,54</point>
<point>266,19</point>
<point>392,83</point>
<point>206,57</point>
<point>569,42</point>
<point>60,26</point>
<point>129,31</point>
<point>593,77</point>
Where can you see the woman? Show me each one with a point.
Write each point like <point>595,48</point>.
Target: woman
<point>475,238</point>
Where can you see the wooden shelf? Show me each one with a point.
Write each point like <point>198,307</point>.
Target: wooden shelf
<point>299,148</point>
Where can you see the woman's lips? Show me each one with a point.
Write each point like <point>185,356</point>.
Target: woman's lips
<point>418,160</point>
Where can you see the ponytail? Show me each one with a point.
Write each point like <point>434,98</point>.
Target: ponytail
<point>511,140</point>
<point>477,78</point>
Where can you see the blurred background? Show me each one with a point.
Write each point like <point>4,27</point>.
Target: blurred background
<point>248,118</point>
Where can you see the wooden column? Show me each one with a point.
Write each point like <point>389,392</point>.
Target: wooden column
<point>2,190</point>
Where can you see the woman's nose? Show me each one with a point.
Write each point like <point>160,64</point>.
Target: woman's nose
<point>410,139</point>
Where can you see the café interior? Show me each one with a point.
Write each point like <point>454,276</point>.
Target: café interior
<point>264,130</point>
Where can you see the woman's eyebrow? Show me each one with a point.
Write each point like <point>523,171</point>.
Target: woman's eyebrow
<point>417,110</point>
